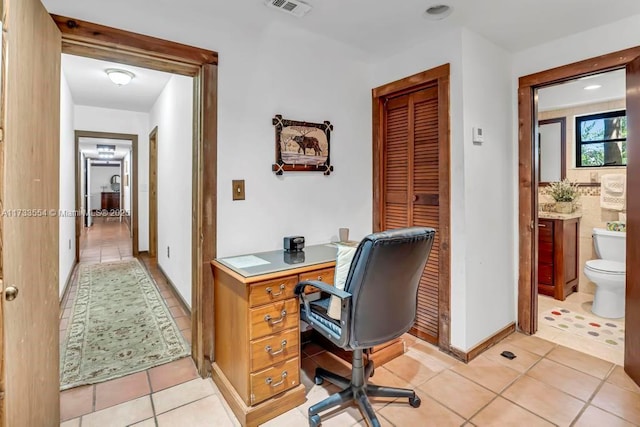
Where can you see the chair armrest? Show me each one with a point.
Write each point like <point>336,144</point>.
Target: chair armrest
<point>345,308</point>
<point>299,289</point>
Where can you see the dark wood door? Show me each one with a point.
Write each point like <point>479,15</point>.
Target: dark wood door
<point>632,310</point>
<point>29,379</point>
<point>411,187</point>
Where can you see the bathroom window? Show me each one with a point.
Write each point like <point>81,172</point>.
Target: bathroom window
<point>601,139</point>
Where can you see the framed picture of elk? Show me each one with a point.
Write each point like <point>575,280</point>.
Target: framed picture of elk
<point>302,146</point>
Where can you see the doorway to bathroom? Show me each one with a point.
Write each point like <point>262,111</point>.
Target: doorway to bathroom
<point>581,161</point>
<point>530,251</point>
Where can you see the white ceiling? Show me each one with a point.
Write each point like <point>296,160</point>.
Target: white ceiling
<point>91,86</point>
<point>573,93</point>
<point>373,26</point>
<point>88,147</point>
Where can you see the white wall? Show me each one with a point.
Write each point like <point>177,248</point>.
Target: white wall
<point>67,242</point>
<point>489,174</point>
<point>173,115</point>
<point>101,178</point>
<point>120,121</point>
<point>313,79</point>
<point>588,44</point>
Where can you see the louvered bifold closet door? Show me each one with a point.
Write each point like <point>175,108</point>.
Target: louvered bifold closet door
<point>396,154</point>
<point>411,187</point>
<point>424,210</point>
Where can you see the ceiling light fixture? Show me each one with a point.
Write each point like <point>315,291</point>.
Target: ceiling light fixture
<point>106,148</point>
<point>592,87</point>
<point>437,12</point>
<point>120,77</point>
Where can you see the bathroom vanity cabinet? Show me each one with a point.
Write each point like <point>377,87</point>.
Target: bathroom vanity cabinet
<point>558,254</point>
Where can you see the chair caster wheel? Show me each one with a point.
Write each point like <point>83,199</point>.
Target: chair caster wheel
<point>415,402</point>
<point>318,380</point>
<point>314,421</point>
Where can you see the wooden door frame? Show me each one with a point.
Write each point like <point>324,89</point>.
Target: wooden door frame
<point>527,176</point>
<point>134,188</point>
<point>110,44</point>
<point>440,77</point>
<point>153,193</point>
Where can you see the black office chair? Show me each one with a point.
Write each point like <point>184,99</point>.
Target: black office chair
<point>378,304</point>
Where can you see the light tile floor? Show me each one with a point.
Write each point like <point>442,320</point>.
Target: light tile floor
<point>578,302</point>
<point>546,384</point>
<point>106,240</point>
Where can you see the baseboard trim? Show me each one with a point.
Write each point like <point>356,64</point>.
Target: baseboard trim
<point>175,292</point>
<point>65,291</point>
<point>468,356</point>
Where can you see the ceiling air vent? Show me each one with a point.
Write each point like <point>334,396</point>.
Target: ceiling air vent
<point>293,7</point>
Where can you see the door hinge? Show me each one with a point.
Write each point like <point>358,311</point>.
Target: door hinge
<point>1,135</point>
<point>1,395</point>
<point>531,225</point>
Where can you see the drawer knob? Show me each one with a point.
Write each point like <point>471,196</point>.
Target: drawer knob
<point>283,346</point>
<point>271,321</point>
<point>269,380</point>
<point>270,291</point>
<point>320,278</point>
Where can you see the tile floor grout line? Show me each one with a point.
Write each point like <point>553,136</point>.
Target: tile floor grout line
<point>191,402</point>
<point>588,402</point>
<point>594,394</point>
<point>523,374</point>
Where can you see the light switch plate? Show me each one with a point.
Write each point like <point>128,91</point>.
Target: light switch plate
<point>238,189</point>
<point>478,137</point>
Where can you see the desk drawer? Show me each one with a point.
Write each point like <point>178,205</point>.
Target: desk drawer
<point>325,275</point>
<point>274,380</point>
<point>274,349</point>
<point>273,318</point>
<point>272,290</point>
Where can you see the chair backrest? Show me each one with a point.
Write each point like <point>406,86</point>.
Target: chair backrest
<point>383,280</point>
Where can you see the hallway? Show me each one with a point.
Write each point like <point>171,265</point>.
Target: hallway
<point>108,241</point>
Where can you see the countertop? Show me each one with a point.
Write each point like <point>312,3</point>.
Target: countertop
<point>556,215</point>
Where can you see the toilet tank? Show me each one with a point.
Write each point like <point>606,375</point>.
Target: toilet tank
<point>610,245</point>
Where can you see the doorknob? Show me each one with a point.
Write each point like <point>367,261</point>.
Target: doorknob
<point>10,293</point>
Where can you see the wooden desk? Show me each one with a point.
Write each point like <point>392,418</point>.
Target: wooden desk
<point>257,331</point>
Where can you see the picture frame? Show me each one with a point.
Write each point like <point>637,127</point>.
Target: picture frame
<point>302,146</point>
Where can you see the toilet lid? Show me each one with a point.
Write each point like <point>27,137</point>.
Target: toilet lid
<point>606,266</point>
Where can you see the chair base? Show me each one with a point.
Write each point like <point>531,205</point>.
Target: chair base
<point>357,390</point>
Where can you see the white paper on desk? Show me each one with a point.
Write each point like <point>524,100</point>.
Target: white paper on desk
<point>245,261</point>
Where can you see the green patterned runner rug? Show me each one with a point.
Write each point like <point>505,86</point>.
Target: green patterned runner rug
<point>119,325</point>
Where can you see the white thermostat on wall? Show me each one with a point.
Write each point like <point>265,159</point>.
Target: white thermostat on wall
<point>478,137</point>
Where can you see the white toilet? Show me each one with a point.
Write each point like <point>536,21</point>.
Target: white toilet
<point>608,273</point>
